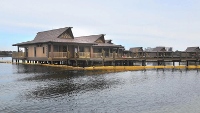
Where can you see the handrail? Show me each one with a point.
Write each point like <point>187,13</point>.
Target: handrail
<point>59,54</point>
<point>84,54</point>
<point>97,55</point>
<point>18,54</point>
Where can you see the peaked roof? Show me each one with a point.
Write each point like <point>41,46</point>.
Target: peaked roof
<point>91,38</point>
<point>108,41</point>
<point>51,34</point>
<point>61,36</point>
<point>159,49</point>
<point>136,49</point>
<point>192,49</point>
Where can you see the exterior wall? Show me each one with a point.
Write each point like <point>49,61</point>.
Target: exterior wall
<point>39,51</point>
<point>71,50</point>
<point>31,51</point>
<point>86,49</point>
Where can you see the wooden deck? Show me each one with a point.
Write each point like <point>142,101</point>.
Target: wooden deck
<point>112,59</point>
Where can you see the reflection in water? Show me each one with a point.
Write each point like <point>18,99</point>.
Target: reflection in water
<point>30,88</point>
<point>70,82</point>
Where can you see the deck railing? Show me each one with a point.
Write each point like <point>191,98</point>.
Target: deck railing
<point>97,55</point>
<point>18,55</point>
<point>84,54</point>
<point>59,54</point>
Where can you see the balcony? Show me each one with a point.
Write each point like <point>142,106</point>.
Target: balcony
<point>59,54</point>
<point>18,55</point>
<point>84,54</point>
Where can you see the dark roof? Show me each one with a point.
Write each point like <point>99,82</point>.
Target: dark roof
<point>50,35</point>
<point>108,41</point>
<point>108,45</point>
<point>136,49</point>
<point>192,49</point>
<point>91,38</point>
<point>127,51</point>
<point>159,49</point>
<point>55,36</point>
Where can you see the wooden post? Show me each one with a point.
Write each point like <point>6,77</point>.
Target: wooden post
<point>68,54</point>
<point>114,57</point>
<point>78,48</point>
<point>186,54</point>
<point>117,52</point>
<point>103,57</point>
<point>143,63</point>
<point>157,54</point>
<point>91,52</point>
<point>163,55</point>
<point>52,50</point>
<point>109,52</point>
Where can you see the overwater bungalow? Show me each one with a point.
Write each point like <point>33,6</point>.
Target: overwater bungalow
<point>137,51</point>
<point>191,52</point>
<point>60,45</point>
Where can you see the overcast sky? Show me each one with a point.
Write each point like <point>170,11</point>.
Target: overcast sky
<point>131,23</point>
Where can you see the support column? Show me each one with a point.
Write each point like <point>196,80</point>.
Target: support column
<point>91,52</point>
<point>52,50</point>
<point>143,63</point>
<point>109,52</point>
<point>117,52</point>
<point>186,54</point>
<point>67,48</point>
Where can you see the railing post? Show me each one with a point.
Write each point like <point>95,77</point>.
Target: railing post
<point>68,54</point>
<point>186,54</point>
<point>78,54</point>
<point>163,55</point>
<point>157,54</point>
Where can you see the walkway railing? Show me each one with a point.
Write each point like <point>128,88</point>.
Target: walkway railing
<point>84,54</point>
<point>59,54</point>
<point>97,55</point>
<point>18,55</point>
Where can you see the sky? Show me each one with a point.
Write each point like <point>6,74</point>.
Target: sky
<point>131,23</point>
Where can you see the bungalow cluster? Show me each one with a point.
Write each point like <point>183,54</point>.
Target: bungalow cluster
<point>59,46</point>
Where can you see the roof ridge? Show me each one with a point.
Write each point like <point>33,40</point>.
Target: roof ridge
<point>90,35</point>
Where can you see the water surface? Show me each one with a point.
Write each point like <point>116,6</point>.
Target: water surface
<point>30,88</point>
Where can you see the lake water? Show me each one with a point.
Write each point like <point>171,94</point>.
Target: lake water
<point>30,88</point>
<point>6,59</point>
